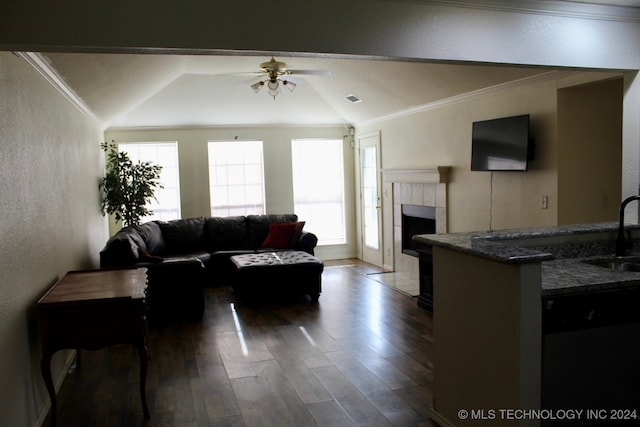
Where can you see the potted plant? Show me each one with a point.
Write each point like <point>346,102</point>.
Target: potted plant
<point>127,187</point>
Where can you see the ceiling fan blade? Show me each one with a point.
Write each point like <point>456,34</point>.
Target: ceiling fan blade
<point>324,73</point>
<point>242,73</point>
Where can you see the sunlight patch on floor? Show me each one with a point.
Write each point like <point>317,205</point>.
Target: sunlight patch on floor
<point>399,281</point>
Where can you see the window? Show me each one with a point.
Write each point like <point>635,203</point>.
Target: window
<point>318,188</point>
<point>167,204</point>
<point>236,178</point>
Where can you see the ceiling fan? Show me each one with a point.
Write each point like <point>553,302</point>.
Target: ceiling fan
<point>273,71</point>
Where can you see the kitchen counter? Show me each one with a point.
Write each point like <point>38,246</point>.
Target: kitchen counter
<point>525,306</point>
<point>561,250</point>
<point>574,276</point>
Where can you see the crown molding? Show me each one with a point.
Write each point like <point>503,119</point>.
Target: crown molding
<point>234,127</point>
<point>551,75</point>
<point>41,65</point>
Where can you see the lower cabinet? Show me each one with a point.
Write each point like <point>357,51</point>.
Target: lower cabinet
<point>425,257</point>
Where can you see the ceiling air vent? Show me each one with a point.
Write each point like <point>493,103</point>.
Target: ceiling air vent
<point>353,98</point>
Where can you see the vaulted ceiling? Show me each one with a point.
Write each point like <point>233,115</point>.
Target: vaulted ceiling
<point>124,90</point>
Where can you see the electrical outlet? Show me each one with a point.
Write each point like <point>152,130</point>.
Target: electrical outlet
<point>544,201</point>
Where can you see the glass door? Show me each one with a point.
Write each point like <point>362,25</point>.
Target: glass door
<point>371,202</point>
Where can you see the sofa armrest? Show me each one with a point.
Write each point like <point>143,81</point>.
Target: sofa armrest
<point>307,242</point>
<point>120,251</point>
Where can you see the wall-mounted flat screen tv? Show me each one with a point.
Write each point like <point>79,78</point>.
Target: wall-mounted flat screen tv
<point>501,144</point>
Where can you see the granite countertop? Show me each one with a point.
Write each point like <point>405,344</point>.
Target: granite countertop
<point>561,250</point>
<point>483,246</point>
<point>572,275</point>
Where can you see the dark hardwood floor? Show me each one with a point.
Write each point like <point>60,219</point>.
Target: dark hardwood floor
<point>360,356</point>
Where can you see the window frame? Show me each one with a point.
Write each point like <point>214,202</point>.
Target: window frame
<point>155,203</point>
<point>255,199</point>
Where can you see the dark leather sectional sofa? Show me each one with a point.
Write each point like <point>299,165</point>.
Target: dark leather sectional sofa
<point>183,255</point>
<point>212,240</point>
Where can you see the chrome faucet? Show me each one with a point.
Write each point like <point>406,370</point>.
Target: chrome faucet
<point>621,244</point>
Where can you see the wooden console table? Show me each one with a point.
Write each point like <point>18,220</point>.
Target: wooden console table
<point>91,310</point>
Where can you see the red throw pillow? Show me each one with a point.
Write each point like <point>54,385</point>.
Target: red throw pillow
<point>279,235</point>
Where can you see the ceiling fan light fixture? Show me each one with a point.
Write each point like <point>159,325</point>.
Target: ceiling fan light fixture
<point>289,85</point>
<point>257,86</point>
<point>274,88</point>
<point>273,85</point>
<point>273,70</point>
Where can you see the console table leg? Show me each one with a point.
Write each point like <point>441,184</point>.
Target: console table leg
<point>45,368</point>
<point>144,360</point>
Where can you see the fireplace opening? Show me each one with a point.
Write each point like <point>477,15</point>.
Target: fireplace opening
<point>416,219</point>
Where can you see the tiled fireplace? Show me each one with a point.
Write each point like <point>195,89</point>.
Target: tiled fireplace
<point>415,219</point>
<point>415,190</point>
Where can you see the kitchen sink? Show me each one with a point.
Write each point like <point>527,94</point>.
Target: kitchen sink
<point>617,263</point>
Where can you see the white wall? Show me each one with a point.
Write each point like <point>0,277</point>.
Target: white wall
<point>590,152</point>
<point>194,169</point>
<point>50,163</point>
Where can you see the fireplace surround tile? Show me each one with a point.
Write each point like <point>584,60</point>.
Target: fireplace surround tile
<point>425,194</point>
<point>416,187</point>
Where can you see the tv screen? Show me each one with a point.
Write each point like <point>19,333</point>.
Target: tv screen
<point>501,144</point>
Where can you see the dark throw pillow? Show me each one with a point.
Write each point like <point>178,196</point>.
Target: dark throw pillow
<point>295,237</point>
<point>279,235</point>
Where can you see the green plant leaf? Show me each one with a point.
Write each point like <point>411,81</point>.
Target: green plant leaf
<point>127,187</point>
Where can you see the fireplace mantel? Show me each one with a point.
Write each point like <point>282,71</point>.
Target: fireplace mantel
<point>437,175</point>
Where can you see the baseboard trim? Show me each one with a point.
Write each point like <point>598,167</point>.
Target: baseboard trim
<point>439,419</point>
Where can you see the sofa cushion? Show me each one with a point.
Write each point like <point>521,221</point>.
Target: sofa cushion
<point>280,235</point>
<point>183,235</point>
<point>258,226</point>
<point>151,236</point>
<point>145,256</point>
<point>226,233</point>
<point>202,256</point>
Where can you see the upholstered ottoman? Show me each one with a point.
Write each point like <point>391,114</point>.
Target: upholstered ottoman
<point>267,273</point>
